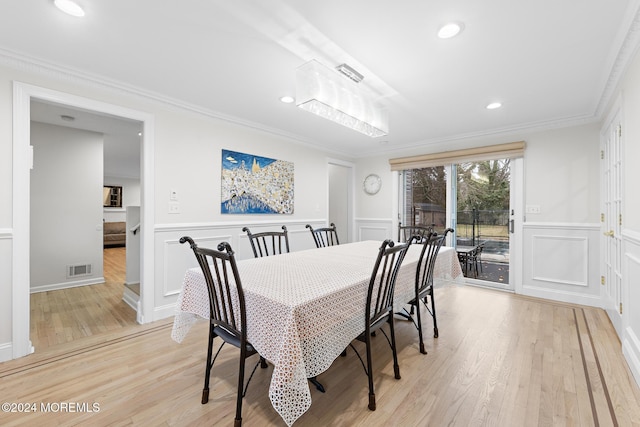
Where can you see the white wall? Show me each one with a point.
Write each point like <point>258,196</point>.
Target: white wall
<point>561,244</point>
<point>66,206</point>
<point>375,214</point>
<point>561,176</point>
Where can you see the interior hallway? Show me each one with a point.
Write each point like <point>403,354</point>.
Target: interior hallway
<point>61,316</point>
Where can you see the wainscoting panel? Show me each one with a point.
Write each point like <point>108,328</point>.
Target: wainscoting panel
<point>574,253</point>
<point>173,258</point>
<point>631,302</point>
<point>374,229</point>
<point>6,277</point>
<point>561,262</point>
<point>182,253</point>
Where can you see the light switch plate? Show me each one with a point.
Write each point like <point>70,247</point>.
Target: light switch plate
<point>533,209</point>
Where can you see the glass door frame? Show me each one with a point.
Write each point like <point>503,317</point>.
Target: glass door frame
<point>516,201</point>
<point>516,222</point>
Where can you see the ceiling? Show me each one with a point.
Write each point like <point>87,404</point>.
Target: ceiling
<point>549,62</point>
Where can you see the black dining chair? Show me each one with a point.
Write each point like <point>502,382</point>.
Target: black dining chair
<point>323,237</point>
<point>268,243</point>
<point>227,313</point>
<point>424,284</point>
<point>405,232</point>
<point>379,306</point>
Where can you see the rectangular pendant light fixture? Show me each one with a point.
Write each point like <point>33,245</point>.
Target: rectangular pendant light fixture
<point>339,98</point>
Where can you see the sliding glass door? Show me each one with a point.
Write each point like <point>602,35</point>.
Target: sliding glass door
<point>476,200</point>
<point>482,220</point>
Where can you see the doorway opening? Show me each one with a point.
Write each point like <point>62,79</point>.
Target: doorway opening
<point>77,155</point>
<point>24,94</point>
<point>340,201</point>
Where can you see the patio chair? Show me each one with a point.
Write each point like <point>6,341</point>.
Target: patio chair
<point>227,314</point>
<point>475,259</point>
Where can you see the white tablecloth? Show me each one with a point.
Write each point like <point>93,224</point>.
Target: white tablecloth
<point>304,308</point>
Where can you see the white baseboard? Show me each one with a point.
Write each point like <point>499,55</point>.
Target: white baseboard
<point>562,296</point>
<point>164,311</point>
<point>6,351</point>
<point>130,298</point>
<point>631,352</point>
<point>66,285</point>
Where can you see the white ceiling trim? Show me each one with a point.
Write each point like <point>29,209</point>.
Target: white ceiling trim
<point>628,48</point>
<point>503,132</point>
<point>38,66</point>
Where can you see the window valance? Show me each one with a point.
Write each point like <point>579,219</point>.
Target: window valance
<point>488,152</point>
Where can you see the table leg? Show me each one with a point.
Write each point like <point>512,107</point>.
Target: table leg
<point>315,382</point>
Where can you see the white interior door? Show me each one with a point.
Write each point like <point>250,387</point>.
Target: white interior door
<point>611,244</point>
<point>340,204</point>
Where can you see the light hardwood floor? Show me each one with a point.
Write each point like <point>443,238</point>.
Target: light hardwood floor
<point>61,316</point>
<point>500,360</point>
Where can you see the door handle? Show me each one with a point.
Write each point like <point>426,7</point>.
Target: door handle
<point>511,226</point>
<point>609,233</point>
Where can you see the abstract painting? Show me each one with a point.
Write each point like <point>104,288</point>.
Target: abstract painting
<point>256,185</point>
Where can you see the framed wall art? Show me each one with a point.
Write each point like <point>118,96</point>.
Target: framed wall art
<point>255,184</point>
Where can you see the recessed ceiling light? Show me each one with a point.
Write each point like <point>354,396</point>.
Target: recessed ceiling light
<point>287,99</point>
<point>450,30</point>
<point>69,7</point>
<point>494,105</point>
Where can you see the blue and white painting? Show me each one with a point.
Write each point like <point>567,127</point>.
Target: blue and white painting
<point>256,185</point>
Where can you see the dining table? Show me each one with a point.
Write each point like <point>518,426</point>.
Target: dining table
<point>305,307</point>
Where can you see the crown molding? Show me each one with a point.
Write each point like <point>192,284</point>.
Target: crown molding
<point>51,70</point>
<point>628,48</point>
<point>539,126</point>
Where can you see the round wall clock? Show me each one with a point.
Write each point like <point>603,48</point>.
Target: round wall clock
<point>372,184</point>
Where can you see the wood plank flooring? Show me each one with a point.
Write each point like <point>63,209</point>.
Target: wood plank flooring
<point>500,360</point>
<point>61,316</point>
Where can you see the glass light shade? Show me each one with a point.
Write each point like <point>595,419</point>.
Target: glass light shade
<point>450,30</point>
<point>327,93</point>
<point>69,7</point>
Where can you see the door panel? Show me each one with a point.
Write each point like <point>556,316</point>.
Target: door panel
<point>484,218</point>
<point>611,244</point>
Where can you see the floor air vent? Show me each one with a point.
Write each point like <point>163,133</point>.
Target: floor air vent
<point>78,270</point>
